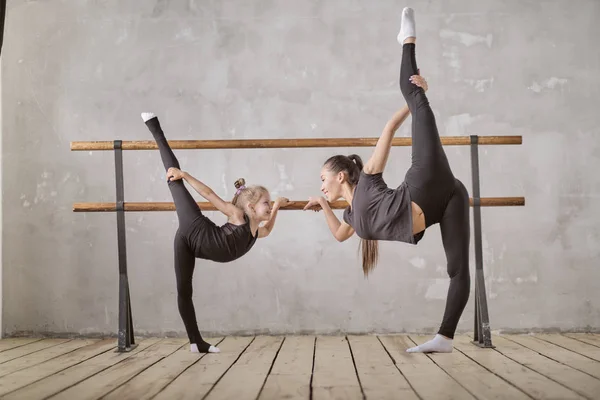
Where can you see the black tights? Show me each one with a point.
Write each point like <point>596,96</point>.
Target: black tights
<point>189,215</point>
<point>442,197</point>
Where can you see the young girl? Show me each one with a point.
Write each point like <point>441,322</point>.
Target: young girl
<point>199,237</point>
<point>430,194</point>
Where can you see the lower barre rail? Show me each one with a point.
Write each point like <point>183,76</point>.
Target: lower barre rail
<point>293,205</point>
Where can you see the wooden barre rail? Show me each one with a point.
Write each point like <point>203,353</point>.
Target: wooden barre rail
<point>294,205</point>
<point>286,143</point>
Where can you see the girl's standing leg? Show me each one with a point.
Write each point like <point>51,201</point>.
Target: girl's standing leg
<point>184,271</point>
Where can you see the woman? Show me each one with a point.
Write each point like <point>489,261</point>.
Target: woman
<point>430,194</point>
<point>199,237</point>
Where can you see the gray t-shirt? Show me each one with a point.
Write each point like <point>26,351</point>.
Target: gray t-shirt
<point>379,212</point>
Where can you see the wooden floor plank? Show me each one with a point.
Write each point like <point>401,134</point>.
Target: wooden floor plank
<point>420,371</point>
<point>30,348</point>
<point>286,387</point>
<point>295,357</point>
<point>559,354</point>
<point>575,380</point>
<point>337,393</point>
<point>246,377</point>
<point>43,355</point>
<point>158,376</point>
<point>71,376</point>
<point>473,377</point>
<point>588,338</point>
<point>379,377</point>
<point>291,373</point>
<point>197,380</point>
<point>334,375</point>
<point>102,383</point>
<point>22,378</point>
<point>11,343</point>
<point>533,383</point>
<point>584,349</point>
<point>541,366</point>
<point>421,376</point>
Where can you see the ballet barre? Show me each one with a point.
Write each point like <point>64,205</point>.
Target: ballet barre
<point>126,341</point>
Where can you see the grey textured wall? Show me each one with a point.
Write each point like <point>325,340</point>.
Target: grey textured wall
<point>84,70</point>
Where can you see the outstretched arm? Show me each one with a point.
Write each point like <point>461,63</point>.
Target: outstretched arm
<point>340,230</point>
<point>378,160</point>
<point>266,229</point>
<point>225,207</point>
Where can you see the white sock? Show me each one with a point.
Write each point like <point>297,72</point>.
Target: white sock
<point>147,116</point>
<point>211,349</point>
<point>438,344</point>
<point>408,26</point>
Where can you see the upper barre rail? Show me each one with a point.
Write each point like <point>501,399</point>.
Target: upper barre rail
<point>286,143</point>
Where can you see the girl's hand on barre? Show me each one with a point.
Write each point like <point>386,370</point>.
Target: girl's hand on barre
<point>281,202</point>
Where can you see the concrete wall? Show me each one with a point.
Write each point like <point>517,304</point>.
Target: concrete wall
<point>1,225</point>
<point>285,69</point>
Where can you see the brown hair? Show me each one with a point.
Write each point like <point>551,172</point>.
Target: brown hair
<point>245,195</point>
<point>352,166</point>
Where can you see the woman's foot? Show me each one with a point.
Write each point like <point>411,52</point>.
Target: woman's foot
<point>151,121</point>
<point>439,344</point>
<point>203,348</point>
<point>408,32</point>
<point>146,116</point>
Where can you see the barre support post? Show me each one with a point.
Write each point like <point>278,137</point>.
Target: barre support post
<point>126,341</point>
<point>482,336</point>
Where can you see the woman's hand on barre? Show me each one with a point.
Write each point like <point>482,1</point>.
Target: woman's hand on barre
<point>314,203</point>
<point>175,174</point>
<point>419,81</point>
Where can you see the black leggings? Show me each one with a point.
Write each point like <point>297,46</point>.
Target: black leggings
<point>189,215</point>
<point>442,197</point>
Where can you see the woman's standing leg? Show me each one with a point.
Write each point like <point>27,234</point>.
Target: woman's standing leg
<point>456,235</point>
<point>456,231</point>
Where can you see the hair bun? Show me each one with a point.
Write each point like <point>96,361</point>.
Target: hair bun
<point>239,183</point>
<point>355,158</point>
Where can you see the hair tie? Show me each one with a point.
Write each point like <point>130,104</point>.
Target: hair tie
<point>240,189</point>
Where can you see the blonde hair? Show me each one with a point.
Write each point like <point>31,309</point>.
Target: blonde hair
<point>245,195</point>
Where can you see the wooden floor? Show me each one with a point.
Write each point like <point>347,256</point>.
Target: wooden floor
<point>552,366</point>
